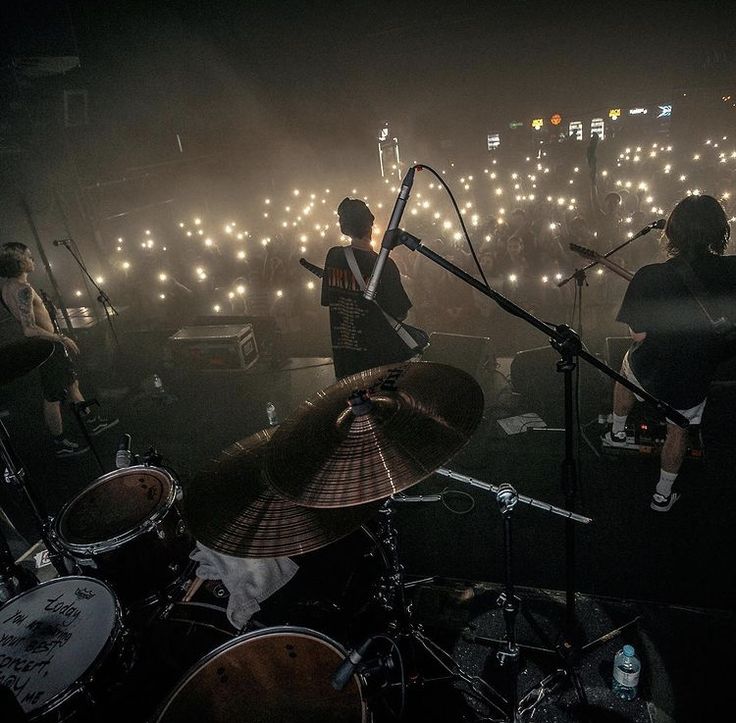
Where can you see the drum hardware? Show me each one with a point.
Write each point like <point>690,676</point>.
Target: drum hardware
<point>18,359</point>
<point>405,636</point>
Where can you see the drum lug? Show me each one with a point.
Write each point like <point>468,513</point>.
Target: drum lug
<point>160,532</point>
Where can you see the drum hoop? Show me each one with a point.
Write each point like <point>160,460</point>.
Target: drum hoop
<point>277,630</point>
<point>112,543</point>
<point>80,684</point>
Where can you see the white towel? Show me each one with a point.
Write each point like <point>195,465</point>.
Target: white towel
<point>249,580</point>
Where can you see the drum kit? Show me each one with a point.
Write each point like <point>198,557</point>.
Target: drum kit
<point>337,466</point>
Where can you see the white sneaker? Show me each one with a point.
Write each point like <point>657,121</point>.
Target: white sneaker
<point>660,503</point>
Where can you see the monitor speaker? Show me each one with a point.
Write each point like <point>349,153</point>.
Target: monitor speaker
<point>473,354</point>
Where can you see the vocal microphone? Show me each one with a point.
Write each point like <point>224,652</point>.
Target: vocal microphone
<point>660,223</point>
<point>346,669</point>
<point>61,242</point>
<point>123,457</point>
<point>389,237</point>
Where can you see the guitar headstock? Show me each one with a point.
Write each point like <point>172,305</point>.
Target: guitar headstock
<point>584,251</point>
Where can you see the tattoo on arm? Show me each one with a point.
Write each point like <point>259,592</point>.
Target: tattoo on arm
<point>24,301</point>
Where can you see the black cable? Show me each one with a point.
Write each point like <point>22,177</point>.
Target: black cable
<point>402,674</point>
<point>447,492</point>
<point>421,166</point>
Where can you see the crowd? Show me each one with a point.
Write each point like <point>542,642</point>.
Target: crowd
<point>521,212</point>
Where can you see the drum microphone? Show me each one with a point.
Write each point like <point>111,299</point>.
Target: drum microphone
<point>388,238</point>
<point>352,660</point>
<point>124,457</point>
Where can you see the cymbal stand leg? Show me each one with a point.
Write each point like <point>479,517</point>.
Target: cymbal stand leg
<point>16,475</point>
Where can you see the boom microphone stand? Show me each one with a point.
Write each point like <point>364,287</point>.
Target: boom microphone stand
<point>71,246</point>
<point>567,343</point>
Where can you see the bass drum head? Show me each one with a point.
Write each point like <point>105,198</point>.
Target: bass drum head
<point>277,675</point>
<point>53,636</point>
<point>115,505</point>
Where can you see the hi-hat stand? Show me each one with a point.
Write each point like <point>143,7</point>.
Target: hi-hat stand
<point>567,343</point>
<point>406,636</point>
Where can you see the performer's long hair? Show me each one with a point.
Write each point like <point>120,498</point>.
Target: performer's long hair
<point>11,259</point>
<point>697,226</point>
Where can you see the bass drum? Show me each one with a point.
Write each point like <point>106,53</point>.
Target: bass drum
<point>62,645</point>
<point>277,675</point>
<point>126,529</point>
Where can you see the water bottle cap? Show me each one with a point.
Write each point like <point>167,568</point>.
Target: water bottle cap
<point>629,651</point>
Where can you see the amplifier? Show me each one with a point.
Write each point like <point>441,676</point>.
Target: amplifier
<point>215,348</point>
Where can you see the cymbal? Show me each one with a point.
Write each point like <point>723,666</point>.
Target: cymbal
<point>409,419</point>
<point>231,509</point>
<point>21,357</point>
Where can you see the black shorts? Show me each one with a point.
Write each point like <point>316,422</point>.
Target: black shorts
<point>57,375</point>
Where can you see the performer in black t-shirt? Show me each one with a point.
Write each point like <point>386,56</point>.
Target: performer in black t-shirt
<point>361,336</point>
<point>675,350</point>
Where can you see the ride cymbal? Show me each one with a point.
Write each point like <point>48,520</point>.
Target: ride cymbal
<point>373,434</point>
<point>231,509</point>
<point>21,357</point>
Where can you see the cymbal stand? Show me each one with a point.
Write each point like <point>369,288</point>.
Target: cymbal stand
<point>403,632</point>
<point>16,475</point>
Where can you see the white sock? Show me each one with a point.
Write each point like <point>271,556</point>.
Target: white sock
<point>666,480</point>
<point>619,423</point>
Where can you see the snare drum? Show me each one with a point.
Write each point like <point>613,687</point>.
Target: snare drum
<point>62,645</point>
<point>126,528</point>
<point>273,675</point>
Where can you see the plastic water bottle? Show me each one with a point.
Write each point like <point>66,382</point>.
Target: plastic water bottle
<point>626,669</point>
<point>271,414</point>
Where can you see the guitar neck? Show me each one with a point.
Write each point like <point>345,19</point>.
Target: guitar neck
<point>51,309</point>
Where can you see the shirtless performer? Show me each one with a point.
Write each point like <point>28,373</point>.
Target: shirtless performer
<point>58,375</point>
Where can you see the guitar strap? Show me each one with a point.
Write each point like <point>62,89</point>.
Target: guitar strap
<point>397,326</point>
<point>695,287</point>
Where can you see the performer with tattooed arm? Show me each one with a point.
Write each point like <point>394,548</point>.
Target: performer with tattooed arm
<point>58,373</point>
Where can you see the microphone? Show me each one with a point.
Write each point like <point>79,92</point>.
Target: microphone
<point>123,457</point>
<point>61,242</point>
<point>660,223</point>
<point>351,661</point>
<point>389,237</point>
